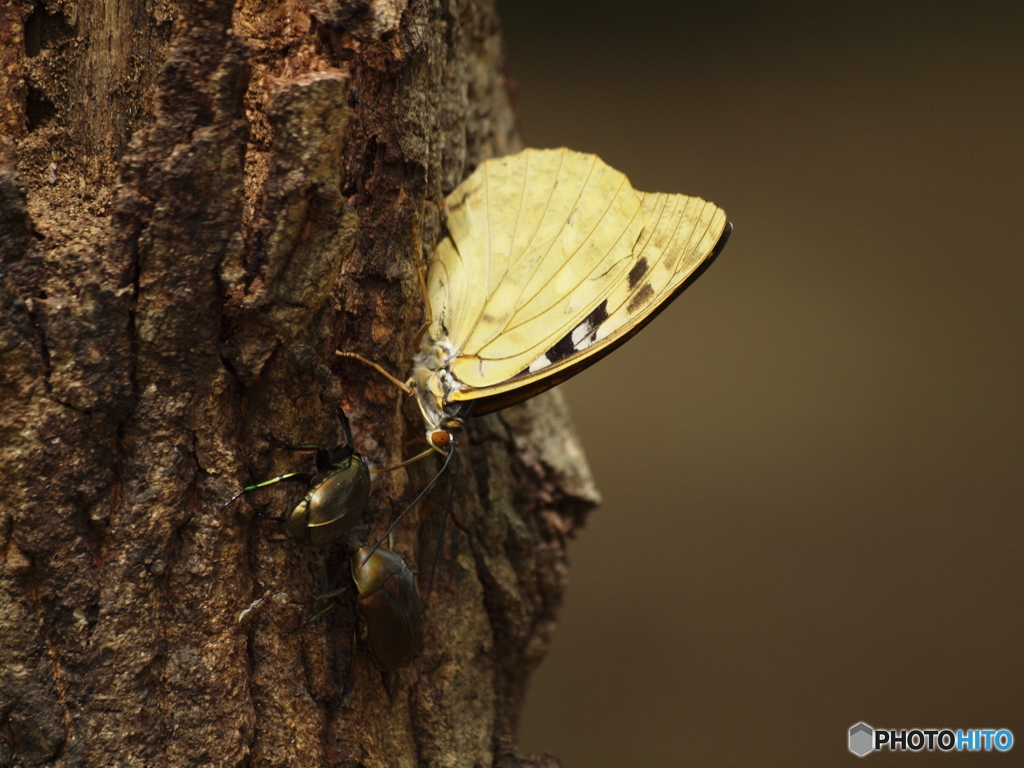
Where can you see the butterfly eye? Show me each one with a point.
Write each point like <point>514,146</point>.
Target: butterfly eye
<point>440,438</point>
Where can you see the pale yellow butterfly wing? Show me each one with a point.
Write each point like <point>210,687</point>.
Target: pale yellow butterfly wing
<point>554,259</point>
<point>536,239</point>
<point>680,232</point>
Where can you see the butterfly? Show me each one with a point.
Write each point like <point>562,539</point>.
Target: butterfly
<point>551,260</point>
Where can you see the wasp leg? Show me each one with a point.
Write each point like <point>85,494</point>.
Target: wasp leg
<point>301,448</point>
<point>319,614</point>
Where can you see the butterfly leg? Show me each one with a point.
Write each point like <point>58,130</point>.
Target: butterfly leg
<point>419,335</point>
<point>400,384</point>
<point>421,267</point>
<point>405,463</point>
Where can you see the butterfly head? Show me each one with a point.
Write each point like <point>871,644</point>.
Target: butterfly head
<point>445,436</point>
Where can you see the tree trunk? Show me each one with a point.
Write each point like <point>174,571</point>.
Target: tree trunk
<point>198,203</point>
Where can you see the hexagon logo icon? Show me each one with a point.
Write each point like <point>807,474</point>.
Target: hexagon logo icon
<point>862,738</point>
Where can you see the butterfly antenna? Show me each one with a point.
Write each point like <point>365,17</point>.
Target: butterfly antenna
<point>444,519</point>
<point>413,504</point>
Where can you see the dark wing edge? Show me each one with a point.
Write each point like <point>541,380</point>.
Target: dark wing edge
<point>502,400</point>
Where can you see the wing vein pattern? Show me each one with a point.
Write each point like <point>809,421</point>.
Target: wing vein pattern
<point>552,258</point>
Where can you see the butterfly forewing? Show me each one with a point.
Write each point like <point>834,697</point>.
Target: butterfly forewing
<point>560,228</point>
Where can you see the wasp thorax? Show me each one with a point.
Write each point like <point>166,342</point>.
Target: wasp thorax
<point>334,504</point>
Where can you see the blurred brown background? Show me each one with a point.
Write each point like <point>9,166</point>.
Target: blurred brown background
<point>812,462</point>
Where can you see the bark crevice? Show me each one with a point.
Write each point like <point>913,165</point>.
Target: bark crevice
<point>189,226</point>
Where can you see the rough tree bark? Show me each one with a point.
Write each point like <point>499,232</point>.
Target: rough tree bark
<point>200,200</point>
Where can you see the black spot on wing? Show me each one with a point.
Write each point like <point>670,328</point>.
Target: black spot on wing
<point>562,349</point>
<point>596,318</point>
<point>455,205</point>
<point>638,273</point>
<point>583,333</point>
<point>640,298</point>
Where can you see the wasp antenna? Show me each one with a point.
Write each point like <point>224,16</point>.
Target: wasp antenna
<point>227,503</point>
<point>290,476</point>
